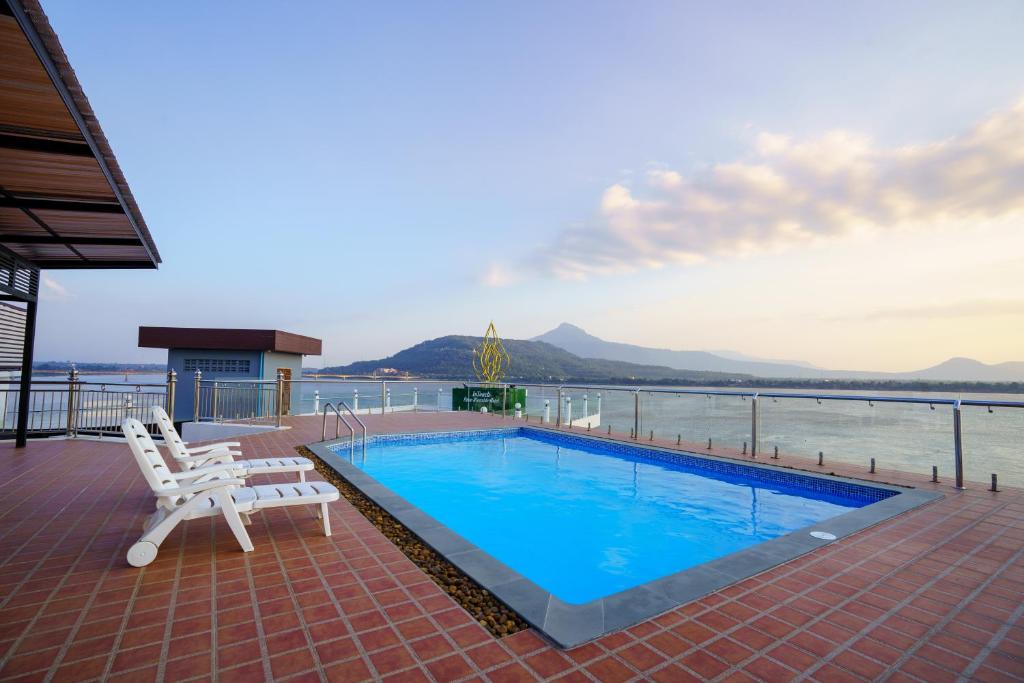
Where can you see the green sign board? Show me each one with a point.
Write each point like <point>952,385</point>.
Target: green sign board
<point>475,398</point>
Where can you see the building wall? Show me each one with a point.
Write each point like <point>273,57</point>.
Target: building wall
<point>272,361</point>
<point>215,365</point>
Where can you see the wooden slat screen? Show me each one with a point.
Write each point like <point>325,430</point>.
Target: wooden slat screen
<point>12,336</point>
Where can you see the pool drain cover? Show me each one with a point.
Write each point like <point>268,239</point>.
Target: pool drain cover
<point>823,535</point>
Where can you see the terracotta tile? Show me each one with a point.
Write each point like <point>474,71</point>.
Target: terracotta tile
<point>511,673</point>
<point>449,668</point>
<point>523,642</point>
<point>379,639</point>
<point>767,670</point>
<point>858,664</point>
<point>131,659</point>
<point>246,673</point>
<point>489,655</point>
<point>187,667</point>
<point>392,659</point>
<point>432,647</point>
<point>693,632</point>
<point>610,670</point>
<point>673,673</point>
<point>416,628</point>
<point>411,676</point>
<point>668,643</point>
<point>728,650</point>
<point>27,663</point>
<point>80,670</point>
<point>833,674</point>
<point>548,663</point>
<point>352,671</point>
<point>471,635</point>
<point>790,656</point>
<point>927,671</point>
<point>285,641</point>
<point>240,653</point>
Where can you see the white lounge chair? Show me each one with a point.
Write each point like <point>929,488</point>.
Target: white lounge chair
<point>219,453</point>
<point>207,492</point>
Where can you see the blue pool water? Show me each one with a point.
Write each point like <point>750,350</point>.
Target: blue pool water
<point>583,519</point>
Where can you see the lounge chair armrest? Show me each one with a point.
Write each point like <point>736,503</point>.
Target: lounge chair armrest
<point>215,456</point>
<point>202,487</point>
<point>212,472</point>
<point>214,446</point>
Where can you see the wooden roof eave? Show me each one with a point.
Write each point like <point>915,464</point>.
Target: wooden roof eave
<point>36,27</point>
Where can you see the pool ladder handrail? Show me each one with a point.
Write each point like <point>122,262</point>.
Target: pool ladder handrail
<point>339,418</point>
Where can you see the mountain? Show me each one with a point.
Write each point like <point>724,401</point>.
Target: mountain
<point>578,341</point>
<point>736,355</point>
<point>970,370</point>
<point>531,361</point>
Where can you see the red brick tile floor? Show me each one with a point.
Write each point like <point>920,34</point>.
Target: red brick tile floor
<point>932,595</point>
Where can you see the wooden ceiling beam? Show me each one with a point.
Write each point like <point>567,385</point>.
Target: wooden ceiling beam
<point>51,239</point>
<point>44,145</point>
<point>38,203</point>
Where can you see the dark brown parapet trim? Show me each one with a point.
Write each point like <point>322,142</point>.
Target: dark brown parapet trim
<point>214,338</point>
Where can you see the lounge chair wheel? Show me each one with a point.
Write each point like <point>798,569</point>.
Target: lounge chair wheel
<point>142,553</point>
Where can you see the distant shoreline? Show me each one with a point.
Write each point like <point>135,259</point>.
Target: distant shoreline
<point>932,386</point>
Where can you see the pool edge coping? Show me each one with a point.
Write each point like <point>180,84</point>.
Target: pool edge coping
<point>568,624</point>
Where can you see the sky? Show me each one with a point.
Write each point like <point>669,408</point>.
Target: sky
<point>838,183</point>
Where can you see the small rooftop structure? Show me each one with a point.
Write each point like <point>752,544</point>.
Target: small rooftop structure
<point>232,357</point>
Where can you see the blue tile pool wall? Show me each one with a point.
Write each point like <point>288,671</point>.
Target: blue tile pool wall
<point>856,492</point>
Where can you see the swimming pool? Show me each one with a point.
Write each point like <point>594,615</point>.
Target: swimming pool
<point>590,522</point>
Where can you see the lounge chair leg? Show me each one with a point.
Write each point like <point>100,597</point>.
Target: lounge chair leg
<point>152,520</point>
<point>325,518</point>
<point>246,518</point>
<point>145,550</point>
<point>227,506</point>
<point>302,475</point>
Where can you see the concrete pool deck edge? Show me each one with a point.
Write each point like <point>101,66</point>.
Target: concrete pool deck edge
<point>568,624</point>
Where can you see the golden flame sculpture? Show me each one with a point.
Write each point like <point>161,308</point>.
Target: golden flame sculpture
<point>490,359</point>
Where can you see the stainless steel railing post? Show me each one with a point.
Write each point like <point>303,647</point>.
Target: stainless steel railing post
<point>73,390</point>
<point>383,391</point>
<point>216,399</point>
<point>195,396</point>
<point>636,414</point>
<point>172,389</point>
<point>958,446</point>
<point>754,418</point>
<point>558,414</point>
<point>280,397</point>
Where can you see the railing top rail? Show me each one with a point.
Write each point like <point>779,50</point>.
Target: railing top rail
<point>873,398</point>
<point>66,383</point>
<point>162,385</point>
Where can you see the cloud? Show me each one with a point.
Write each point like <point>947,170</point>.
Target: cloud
<point>957,309</point>
<point>497,275</point>
<point>790,192</point>
<point>52,290</point>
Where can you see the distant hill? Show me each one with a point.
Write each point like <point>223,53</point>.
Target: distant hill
<point>578,341</point>
<point>65,366</point>
<point>970,370</point>
<point>531,361</point>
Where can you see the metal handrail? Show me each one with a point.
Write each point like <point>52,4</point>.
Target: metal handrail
<point>340,418</point>
<point>361,423</point>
